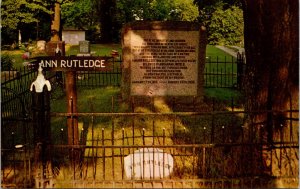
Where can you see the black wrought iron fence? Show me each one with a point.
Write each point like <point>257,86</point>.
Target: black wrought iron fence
<point>224,72</point>
<point>209,148</point>
<point>218,73</point>
<point>217,147</point>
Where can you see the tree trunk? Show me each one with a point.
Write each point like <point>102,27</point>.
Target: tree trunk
<point>106,14</point>
<point>272,80</point>
<point>55,25</point>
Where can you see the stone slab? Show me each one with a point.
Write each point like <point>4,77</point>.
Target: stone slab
<point>84,47</point>
<point>163,59</point>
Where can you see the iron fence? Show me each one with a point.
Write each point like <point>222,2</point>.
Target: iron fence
<point>208,142</point>
<point>224,72</point>
<point>15,84</point>
<point>210,148</point>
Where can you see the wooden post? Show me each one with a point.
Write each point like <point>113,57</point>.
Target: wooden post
<point>72,120</point>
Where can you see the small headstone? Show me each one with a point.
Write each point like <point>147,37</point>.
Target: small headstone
<point>53,46</point>
<point>41,45</point>
<point>84,47</point>
<point>148,163</point>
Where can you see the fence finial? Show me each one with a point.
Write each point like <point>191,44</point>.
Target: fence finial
<point>40,82</point>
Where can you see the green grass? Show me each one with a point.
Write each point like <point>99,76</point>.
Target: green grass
<point>215,54</point>
<point>222,93</point>
<point>221,69</point>
<point>98,49</point>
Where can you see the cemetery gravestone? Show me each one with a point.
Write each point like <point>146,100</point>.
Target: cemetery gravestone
<point>163,59</point>
<point>147,163</point>
<point>84,47</point>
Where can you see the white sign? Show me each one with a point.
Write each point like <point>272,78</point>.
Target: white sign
<point>148,163</point>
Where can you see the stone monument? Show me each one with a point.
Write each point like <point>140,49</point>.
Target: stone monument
<point>84,48</point>
<point>163,59</point>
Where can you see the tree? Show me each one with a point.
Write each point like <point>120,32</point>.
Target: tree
<point>176,10</point>
<point>15,12</point>
<point>21,15</point>
<point>55,24</point>
<point>82,14</point>
<point>106,11</point>
<point>79,14</point>
<point>208,7</point>
<point>158,10</point>
<point>223,20</point>
<point>271,43</point>
<point>226,26</point>
<point>187,10</point>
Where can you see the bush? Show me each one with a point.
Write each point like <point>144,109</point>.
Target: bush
<point>226,27</point>
<point>6,62</point>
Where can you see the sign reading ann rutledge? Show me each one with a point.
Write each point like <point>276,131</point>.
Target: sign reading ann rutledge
<point>74,63</point>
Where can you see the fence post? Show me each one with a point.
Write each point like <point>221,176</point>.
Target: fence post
<point>240,69</point>
<point>40,89</point>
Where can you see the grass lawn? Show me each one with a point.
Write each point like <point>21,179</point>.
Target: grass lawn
<point>215,54</point>
<point>97,49</point>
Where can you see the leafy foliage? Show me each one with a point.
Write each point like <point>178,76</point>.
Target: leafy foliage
<point>15,12</point>
<point>226,26</point>
<point>223,19</point>
<point>186,9</point>
<point>160,10</point>
<point>130,10</point>
<point>79,13</point>
<point>6,62</point>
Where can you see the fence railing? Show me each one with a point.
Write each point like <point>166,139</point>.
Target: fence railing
<point>103,151</point>
<point>209,149</point>
<point>208,145</point>
<point>224,72</point>
<point>219,72</point>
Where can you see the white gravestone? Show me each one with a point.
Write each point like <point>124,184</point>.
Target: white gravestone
<point>148,163</point>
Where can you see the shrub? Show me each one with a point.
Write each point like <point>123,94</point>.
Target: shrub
<point>226,26</point>
<point>6,62</point>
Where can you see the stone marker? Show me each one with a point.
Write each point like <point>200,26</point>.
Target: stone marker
<point>41,45</point>
<point>148,163</point>
<point>84,47</point>
<point>163,59</point>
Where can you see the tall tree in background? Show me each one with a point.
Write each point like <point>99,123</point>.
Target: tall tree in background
<point>82,14</point>
<point>226,26</point>
<point>223,20</point>
<point>107,12</point>
<point>21,15</point>
<point>15,12</point>
<point>272,52</point>
<point>79,14</point>
<point>55,24</point>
